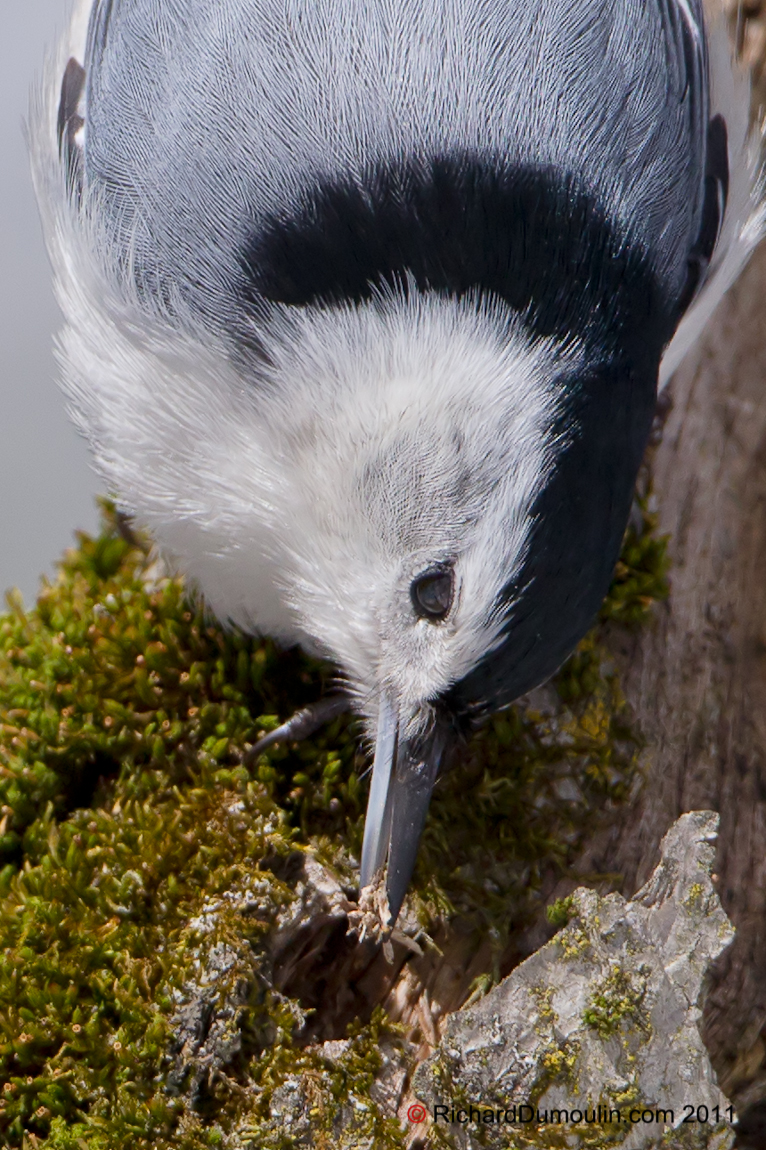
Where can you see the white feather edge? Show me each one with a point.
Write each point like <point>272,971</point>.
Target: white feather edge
<point>76,38</point>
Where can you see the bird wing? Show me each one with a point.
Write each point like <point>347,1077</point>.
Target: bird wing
<point>205,118</point>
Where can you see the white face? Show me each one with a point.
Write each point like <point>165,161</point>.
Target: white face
<point>416,438</point>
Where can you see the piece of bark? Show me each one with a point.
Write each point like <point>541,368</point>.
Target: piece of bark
<point>603,1019</point>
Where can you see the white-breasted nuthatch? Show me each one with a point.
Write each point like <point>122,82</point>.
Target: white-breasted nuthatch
<point>366,303</point>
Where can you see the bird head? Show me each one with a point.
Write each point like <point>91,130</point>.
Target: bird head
<point>421,434</point>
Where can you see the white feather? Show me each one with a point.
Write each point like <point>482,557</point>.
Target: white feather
<point>77,37</point>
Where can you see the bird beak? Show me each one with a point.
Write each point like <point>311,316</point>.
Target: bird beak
<point>403,777</point>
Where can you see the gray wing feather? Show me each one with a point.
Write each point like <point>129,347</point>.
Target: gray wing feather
<point>205,115</point>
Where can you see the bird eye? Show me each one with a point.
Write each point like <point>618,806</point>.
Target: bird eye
<point>431,593</point>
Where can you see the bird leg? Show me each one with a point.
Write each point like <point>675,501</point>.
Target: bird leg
<point>302,725</point>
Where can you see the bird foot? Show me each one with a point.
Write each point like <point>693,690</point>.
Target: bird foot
<point>372,916</point>
<point>302,725</point>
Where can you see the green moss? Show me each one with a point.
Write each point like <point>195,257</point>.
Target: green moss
<point>641,575</point>
<point>546,1015</point>
<point>617,1000</point>
<point>480,987</point>
<point>695,900</point>
<point>135,850</point>
<point>325,1091</point>
<point>574,940</point>
<point>125,810</point>
<point>560,912</point>
<point>558,1060</point>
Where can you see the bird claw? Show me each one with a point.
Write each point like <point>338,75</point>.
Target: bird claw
<point>373,915</point>
<point>302,724</point>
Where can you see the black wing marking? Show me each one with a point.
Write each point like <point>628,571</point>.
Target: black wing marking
<point>713,209</point>
<point>457,224</point>
<point>70,121</point>
<point>716,187</point>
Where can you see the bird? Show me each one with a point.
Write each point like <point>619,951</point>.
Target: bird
<point>366,307</point>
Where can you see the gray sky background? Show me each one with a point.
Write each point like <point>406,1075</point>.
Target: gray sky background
<point>46,486</point>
